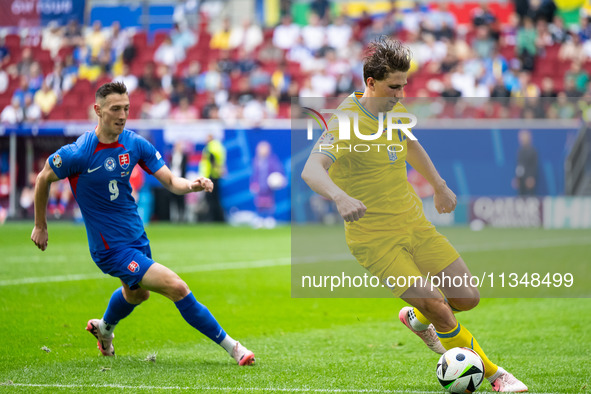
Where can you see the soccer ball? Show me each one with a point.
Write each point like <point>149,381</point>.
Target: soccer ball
<point>276,180</point>
<point>460,370</point>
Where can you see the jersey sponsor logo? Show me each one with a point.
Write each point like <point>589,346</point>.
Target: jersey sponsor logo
<point>57,160</point>
<point>110,164</point>
<point>133,266</point>
<point>94,169</point>
<point>124,160</point>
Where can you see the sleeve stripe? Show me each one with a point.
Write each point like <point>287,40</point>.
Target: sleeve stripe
<point>327,154</point>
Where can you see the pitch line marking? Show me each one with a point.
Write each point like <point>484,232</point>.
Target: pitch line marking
<point>547,243</point>
<point>208,388</point>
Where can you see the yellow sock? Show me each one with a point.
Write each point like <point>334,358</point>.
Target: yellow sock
<point>420,317</point>
<point>461,337</point>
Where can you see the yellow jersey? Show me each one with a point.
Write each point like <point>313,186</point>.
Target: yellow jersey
<point>373,172</point>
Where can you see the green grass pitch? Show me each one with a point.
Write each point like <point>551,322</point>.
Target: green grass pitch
<point>301,345</point>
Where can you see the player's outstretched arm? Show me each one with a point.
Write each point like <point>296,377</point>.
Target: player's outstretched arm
<point>39,235</point>
<point>178,185</point>
<point>444,199</point>
<point>316,176</point>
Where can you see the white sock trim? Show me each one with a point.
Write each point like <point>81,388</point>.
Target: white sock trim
<point>416,323</point>
<point>228,343</point>
<point>106,328</point>
<point>494,377</point>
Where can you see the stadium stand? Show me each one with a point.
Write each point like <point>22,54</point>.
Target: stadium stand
<point>482,48</point>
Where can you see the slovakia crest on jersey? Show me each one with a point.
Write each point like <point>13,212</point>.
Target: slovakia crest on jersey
<point>110,164</point>
<point>133,266</point>
<point>124,160</point>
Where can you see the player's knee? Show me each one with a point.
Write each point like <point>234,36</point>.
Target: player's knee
<point>136,297</point>
<point>433,306</point>
<point>178,290</point>
<point>466,303</point>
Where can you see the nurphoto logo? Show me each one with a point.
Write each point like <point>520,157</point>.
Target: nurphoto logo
<point>392,119</point>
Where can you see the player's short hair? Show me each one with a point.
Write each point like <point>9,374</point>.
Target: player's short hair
<point>110,88</point>
<point>385,56</point>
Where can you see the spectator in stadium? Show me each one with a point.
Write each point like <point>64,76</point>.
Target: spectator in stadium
<point>149,81</point>
<point>213,166</point>
<point>448,88</point>
<point>73,34</point>
<point>579,76</point>
<point>212,80</point>
<point>564,108</point>
<point>168,54</point>
<point>159,108</point>
<point>167,78</point>
<point>339,33</point>
<point>181,92</point>
<point>55,79</point>
<point>182,37</point>
<point>526,47</point>
<point>3,79</point>
<point>105,200</point>
<point>35,77</point>
<point>247,36</point>
<point>118,38</point>
<point>526,172</point>
<point>32,111</point>
<point>95,38</point>
<point>499,89</point>
<point>13,113</point>
<point>526,87</point>
<point>286,34</point>
<point>70,73</point>
<point>23,68</point>
<point>483,44</point>
<point>221,38</point>
<point>321,8</point>
<point>255,111</point>
<point>184,112</point>
<point>46,99</point>
<point>377,29</point>
<point>259,78</point>
<point>22,90</point>
<point>299,53</point>
<point>52,38</point>
<point>127,78</point>
<point>547,89</point>
<point>209,109</point>
<point>314,34</point>
<point>4,52</point>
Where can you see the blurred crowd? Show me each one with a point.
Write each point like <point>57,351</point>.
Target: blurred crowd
<point>230,70</point>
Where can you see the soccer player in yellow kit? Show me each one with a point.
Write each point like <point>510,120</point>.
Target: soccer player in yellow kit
<point>385,227</point>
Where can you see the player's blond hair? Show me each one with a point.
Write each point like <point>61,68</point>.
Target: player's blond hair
<point>385,56</point>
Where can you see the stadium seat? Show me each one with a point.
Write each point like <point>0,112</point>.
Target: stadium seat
<point>12,42</point>
<point>140,40</point>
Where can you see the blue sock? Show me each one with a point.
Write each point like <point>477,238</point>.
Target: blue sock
<point>200,317</point>
<point>118,308</point>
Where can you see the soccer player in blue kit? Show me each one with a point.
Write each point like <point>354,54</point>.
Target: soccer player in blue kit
<point>98,166</point>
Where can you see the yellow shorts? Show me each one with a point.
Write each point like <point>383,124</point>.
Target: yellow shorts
<point>398,258</point>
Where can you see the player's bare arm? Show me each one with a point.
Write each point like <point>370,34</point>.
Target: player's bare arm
<point>316,176</point>
<point>178,185</point>
<point>444,199</point>
<point>45,178</point>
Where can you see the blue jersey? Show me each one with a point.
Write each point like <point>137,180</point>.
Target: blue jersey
<point>99,178</point>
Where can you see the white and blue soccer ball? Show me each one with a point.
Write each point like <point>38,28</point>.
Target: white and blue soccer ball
<point>460,370</point>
